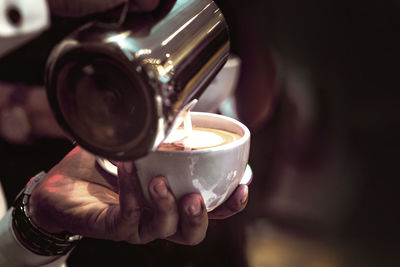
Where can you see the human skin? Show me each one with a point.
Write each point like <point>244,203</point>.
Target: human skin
<point>75,196</point>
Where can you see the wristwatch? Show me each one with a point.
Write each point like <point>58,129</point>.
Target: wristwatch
<point>33,237</point>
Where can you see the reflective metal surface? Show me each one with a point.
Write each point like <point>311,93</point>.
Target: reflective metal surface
<point>117,90</point>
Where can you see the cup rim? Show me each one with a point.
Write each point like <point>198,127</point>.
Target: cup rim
<point>112,169</point>
<point>244,138</point>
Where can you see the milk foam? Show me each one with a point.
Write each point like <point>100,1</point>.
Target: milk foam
<point>196,138</point>
<point>187,137</point>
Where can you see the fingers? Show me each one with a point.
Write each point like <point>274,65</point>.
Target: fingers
<point>236,203</point>
<point>194,221</point>
<point>130,202</point>
<point>186,224</point>
<point>165,217</point>
<point>162,220</point>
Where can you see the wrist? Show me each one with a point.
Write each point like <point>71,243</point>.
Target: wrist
<point>30,235</point>
<point>38,212</point>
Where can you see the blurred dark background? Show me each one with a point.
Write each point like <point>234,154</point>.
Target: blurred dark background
<point>319,90</point>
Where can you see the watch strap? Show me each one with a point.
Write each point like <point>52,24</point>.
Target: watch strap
<point>33,237</point>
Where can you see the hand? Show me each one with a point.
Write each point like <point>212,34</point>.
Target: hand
<point>80,8</point>
<point>28,118</point>
<point>74,196</point>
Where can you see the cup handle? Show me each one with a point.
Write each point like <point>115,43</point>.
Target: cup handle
<point>107,166</point>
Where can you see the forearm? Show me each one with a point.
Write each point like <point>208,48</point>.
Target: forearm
<point>13,253</point>
<point>22,243</point>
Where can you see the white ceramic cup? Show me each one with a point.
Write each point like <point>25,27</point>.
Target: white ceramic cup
<point>212,172</point>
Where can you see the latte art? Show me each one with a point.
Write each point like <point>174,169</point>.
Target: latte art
<point>199,138</point>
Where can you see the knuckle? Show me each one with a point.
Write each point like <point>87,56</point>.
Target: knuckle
<point>117,238</point>
<point>132,238</point>
<point>130,215</point>
<point>166,227</point>
<point>194,235</point>
<point>167,209</point>
<point>196,222</point>
<point>234,207</point>
<point>193,241</point>
<point>168,231</point>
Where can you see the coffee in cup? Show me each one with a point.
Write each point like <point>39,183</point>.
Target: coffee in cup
<point>197,138</point>
<point>209,167</point>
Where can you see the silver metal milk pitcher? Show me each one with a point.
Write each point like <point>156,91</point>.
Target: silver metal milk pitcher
<point>116,90</point>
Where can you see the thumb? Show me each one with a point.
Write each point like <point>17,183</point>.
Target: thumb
<point>130,193</point>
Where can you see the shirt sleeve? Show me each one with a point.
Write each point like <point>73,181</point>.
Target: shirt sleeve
<point>14,254</point>
<point>20,21</point>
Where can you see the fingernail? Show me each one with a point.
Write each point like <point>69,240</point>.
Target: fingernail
<point>161,189</point>
<point>244,194</point>
<point>194,209</point>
